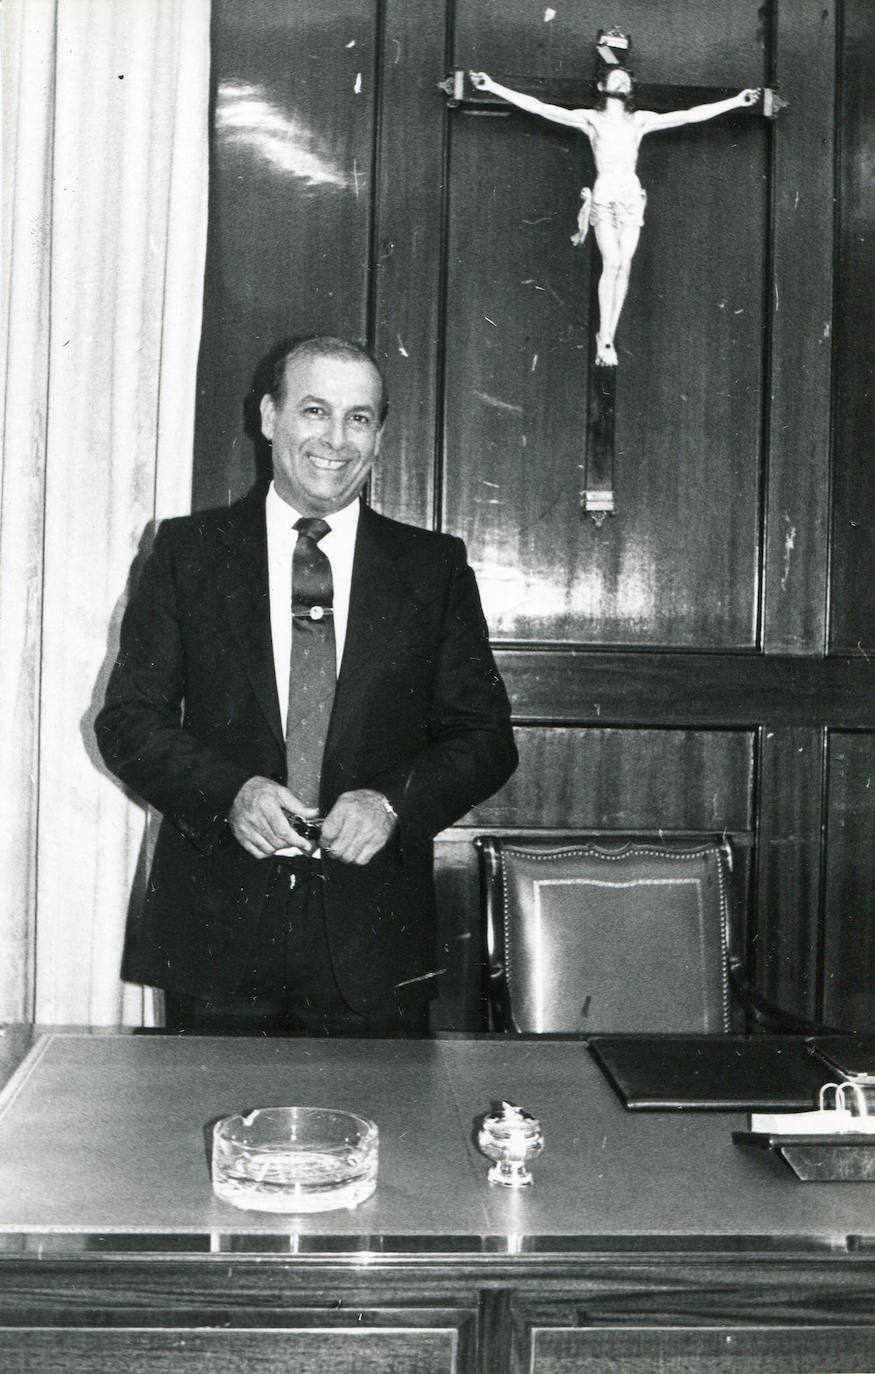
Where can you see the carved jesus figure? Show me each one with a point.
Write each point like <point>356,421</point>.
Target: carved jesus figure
<point>615,205</point>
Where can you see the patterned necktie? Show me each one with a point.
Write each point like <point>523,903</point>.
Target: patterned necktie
<point>313,665</point>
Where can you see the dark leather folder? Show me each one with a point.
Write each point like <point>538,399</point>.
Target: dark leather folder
<point>848,1056</point>
<point>711,1072</point>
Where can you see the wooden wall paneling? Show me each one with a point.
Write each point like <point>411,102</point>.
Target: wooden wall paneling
<point>852,621</point>
<point>696,690</point>
<point>626,780</point>
<point>796,552</point>
<point>688,464</point>
<point>291,189</point>
<point>407,259</point>
<point>678,564</point>
<point>517,314</point>
<point>786,935</point>
<point>674,37</point>
<point>849,903</point>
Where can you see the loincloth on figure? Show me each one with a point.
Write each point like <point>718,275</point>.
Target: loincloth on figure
<point>620,212</point>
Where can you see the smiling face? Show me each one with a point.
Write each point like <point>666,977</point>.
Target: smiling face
<point>324,431</point>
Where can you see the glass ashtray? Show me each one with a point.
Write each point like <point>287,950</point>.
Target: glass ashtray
<point>295,1159</point>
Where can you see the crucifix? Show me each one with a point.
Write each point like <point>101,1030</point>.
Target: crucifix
<point>614,206</point>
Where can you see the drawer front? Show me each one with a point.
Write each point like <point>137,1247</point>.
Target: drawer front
<point>329,1350</point>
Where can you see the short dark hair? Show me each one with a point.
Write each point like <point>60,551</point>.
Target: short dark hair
<point>273,367</point>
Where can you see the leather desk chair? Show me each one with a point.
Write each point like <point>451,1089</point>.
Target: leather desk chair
<point>600,934</point>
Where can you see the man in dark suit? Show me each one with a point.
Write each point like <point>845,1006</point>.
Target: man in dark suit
<point>292,658</point>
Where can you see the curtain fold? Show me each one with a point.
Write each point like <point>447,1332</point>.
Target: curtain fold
<point>105,203</point>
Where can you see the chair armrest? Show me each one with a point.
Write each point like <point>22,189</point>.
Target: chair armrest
<point>769,1016</point>
<point>496,995</point>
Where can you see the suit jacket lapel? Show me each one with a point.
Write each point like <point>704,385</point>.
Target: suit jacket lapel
<point>247,600</point>
<point>381,602</point>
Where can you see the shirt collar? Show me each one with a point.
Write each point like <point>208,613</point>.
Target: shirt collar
<point>281,515</point>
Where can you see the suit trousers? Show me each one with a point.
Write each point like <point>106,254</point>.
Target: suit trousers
<point>290,987</point>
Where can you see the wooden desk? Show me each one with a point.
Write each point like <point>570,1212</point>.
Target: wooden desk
<point>649,1241</point>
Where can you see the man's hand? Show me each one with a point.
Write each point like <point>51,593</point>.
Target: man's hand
<point>481,80</point>
<point>357,826</point>
<point>259,822</point>
<point>749,97</point>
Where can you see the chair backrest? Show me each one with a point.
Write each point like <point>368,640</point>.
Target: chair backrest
<point>591,936</point>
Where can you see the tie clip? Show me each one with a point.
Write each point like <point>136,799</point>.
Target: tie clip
<point>311,612</point>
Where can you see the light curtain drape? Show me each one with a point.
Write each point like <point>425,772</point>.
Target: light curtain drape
<point>104,232</point>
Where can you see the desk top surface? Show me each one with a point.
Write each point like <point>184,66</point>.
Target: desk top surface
<point>106,1135</point>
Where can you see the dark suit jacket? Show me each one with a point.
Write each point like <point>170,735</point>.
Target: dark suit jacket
<point>191,712</point>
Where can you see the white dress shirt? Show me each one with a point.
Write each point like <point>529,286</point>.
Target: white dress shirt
<point>339,548</point>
